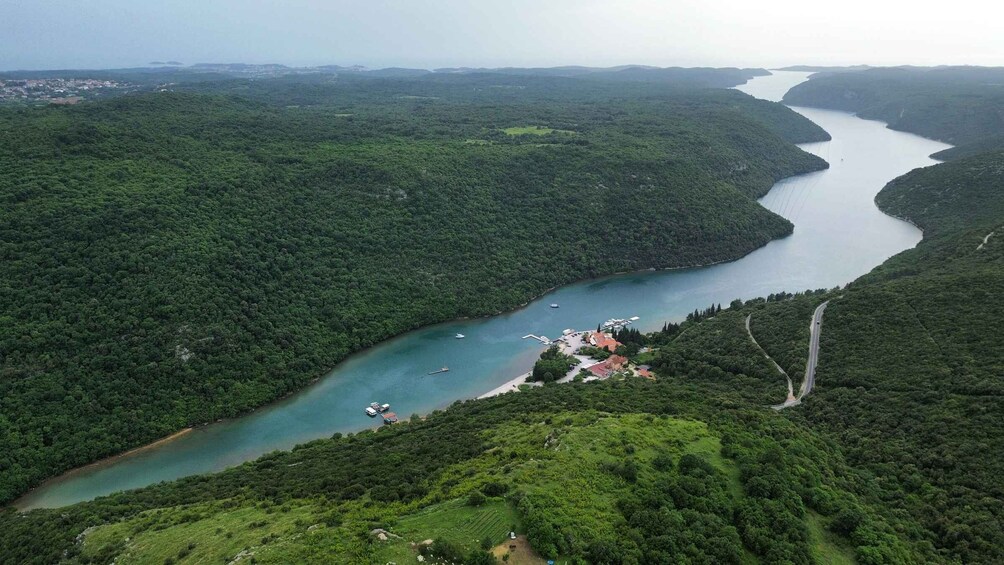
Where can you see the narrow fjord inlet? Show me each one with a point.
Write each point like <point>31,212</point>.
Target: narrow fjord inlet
<point>839,235</point>
<point>501,283</point>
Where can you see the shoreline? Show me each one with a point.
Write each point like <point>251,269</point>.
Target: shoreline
<point>18,505</point>
<point>508,386</point>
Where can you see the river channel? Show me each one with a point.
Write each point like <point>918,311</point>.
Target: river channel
<point>839,235</point>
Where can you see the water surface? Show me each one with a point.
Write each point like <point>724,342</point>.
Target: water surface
<point>839,235</point>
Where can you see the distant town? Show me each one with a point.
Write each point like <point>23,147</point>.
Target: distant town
<point>57,90</point>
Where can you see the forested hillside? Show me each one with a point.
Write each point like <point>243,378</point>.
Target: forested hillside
<point>913,355</point>
<point>630,471</point>
<point>958,105</point>
<point>909,382</point>
<point>891,459</point>
<point>173,258</point>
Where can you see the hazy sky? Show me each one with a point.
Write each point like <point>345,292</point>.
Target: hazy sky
<point>45,34</point>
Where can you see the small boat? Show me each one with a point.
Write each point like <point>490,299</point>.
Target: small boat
<point>460,336</point>
<point>383,408</point>
<point>443,370</point>
<point>554,305</point>
<point>371,412</point>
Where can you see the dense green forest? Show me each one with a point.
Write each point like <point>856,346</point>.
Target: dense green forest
<point>911,362</point>
<point>909,382</point>
<point>171,258</point>
<point>958,105</point>
<point>891,459</point>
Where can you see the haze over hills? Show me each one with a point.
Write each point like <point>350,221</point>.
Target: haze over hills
<point>824,68</point>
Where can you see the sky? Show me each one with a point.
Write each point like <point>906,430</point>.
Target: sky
<point>68,34</point>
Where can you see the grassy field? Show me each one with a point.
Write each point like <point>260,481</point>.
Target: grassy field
<point>827,547</point>
<point>467,526</point>
<point>567,475</point>
<point>198,534</point>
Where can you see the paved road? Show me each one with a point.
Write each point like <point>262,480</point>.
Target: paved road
<point>815,328</point>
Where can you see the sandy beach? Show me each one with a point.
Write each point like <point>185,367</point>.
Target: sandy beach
<point>510,386</point>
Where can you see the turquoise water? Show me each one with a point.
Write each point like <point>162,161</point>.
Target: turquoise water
<point>839,235</point>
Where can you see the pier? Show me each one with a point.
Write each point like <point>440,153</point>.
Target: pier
<point>540,338</point>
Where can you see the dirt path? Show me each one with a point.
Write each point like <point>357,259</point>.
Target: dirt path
<point>815,329</point>
<point>985,240</point>
<point>791,391</point>
<point>519,551</point>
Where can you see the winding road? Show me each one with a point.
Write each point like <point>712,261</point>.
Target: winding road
<point>791,393</point>
<point>815,329</point>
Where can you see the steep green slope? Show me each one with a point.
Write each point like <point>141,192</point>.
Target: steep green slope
<point>959,105</point>
<point>630,471</point>
<point>170,259</point>
<point>909,383</point>
<point>967,196</point>
<point>912,361</point>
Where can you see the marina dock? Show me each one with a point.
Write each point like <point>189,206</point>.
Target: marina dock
<point>540,338</point>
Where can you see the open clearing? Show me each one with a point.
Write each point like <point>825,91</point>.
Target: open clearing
<point>465,525</point>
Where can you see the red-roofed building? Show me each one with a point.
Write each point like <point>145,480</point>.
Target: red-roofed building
<point>603,341</point>
<point>606,368</point>
<point>645,371</point>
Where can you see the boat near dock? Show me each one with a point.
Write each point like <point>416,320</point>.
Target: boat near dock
<point>618,323</point>
<point>376,408</point>
<point>443,370</point>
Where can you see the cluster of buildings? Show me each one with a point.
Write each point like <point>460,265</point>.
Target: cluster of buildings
<point>54,90</point>
<point>609,366</point>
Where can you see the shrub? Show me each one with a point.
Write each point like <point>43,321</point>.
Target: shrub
<point>476,498</point>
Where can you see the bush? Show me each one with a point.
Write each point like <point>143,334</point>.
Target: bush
<point>476,498</point>
<point>663,462</point>
<point>494,489</point>
<point>847,520</point>
<point>441,550</point>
